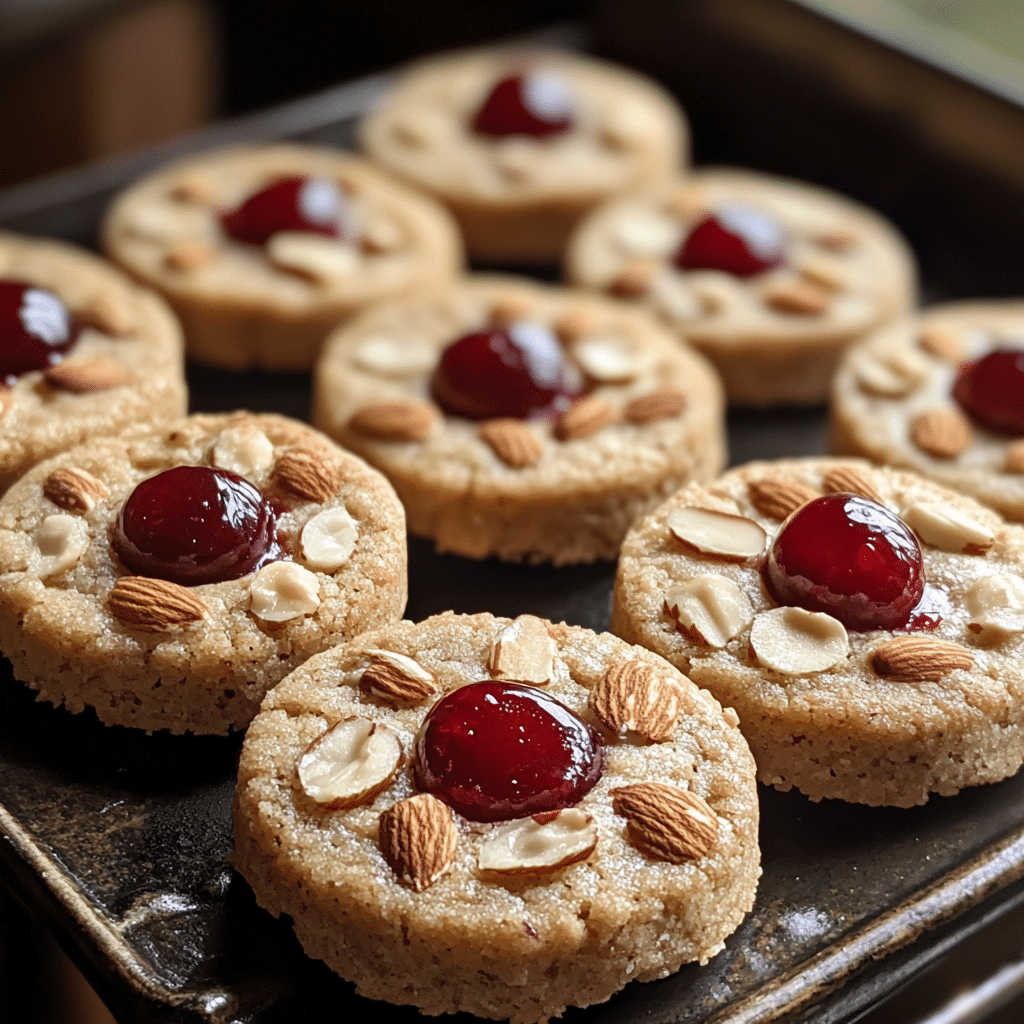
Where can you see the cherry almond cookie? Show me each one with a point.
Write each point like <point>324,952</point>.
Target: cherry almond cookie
<point>866,624</point>
<point>504,817</point>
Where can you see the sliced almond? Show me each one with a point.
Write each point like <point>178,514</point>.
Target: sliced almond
<point>61,540</point>
<point>635,697</point>
<point>74,489</point>
<point>418,840</point>
<point>825,273</point>
<point>719,534</point>
<point>666,822</point>
<point>849,480</point>
<point>155,606</point>
<point>395,421</point>
<point>523,652</point>
<point>109,313</point>
<point>606,360</point>
<point>397,679</point>
<point>194,190</point>
<point>795,641</point>
<point>663,404</point>
<point>186,256</point>
<point>244,449</point>
<point>85,375</point>
<point>283,591</point>
<point>391,357</point>
<point>709,610</point>
<point>777,497</point>
<point>509,310</point>
<point>837,240</point>
<point>944,433</point>
<point>513,442</point>
<point>576,323</point>
<point>317,256</point>
<point>328,540</point>
<point>646,233</point>
<point>799,298</point>
<point>634,280</point>
<point>996,607</point>
<point>1015,458</point>
<point>914,658</point>
<point>349,764</point>
<point>539,844</point>
<point>947,528</point>
<point>892,375</point>
<point>584,418</point>
<point>943,343</point>
<point>308,471</point>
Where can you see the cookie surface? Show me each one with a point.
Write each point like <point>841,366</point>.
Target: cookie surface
<point>153,653</point>
<point>882,717</point>
<point>514,940</point>
<point>563,490</point>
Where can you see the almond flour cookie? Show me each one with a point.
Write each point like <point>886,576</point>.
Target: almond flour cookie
<point>771,279</point>
<point>520,420</point>
<point>520,144</point>
<point>261,250</point>
<point>941,394</point>
<point>83,353</point>
<point>430,860</point>
<point>866,624</point>
<point>171,578</point>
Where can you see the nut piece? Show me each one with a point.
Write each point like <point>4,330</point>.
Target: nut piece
<point>798,297</point>
<point>538,844</point>
<point>397,679</point>
<point>394,421</point>
<point>719,534</point>
<point>913,658</point>
<point>584,418</point>
<point>944,433</point>
<point>1014,458</point>
<point>418,840</point>
<point>109,314</point>
<point>996,606</point>
<point>513,442</point>
<point>575,323</point>
<point>943,343</point>
<point>350,763</point>
<point>646,233</point>
<point>777,498</point>
<point>849,480</point>
<point>508,310</point>
<point>328,540</point>
<point>662,404</point>
<point>894,375</point>
<point>634,697</point>
<point>947,528</point>
<point>391,358</point>
<point>381,235</point>
<point>635,278</point>
<point>309,471</point>
<point>61,541</point>
<point>666,822</point>
<point>244,449</point>
<point>85,375</point>
<point>155,606</point>
<point>283,591</point>
<point>825,273</point>
<point>523,652</point>
<point>186,256</point>
<point>74,489</point>
<point>795,641</point>
<point>316,256</point>
<point>837,239</point>
<point>709,610</point>
<point>606,360</point>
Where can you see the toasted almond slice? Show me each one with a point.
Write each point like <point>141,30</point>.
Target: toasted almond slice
<point>634,697</point>
<point>74,489</point>
<point>328,540</point>
<point>61,541</point>
<point>795,641</point>
<point>283,591</point>
<point>849,480</point>
<point>996,606</point>
<point>110,313</point>
<point>393,358</point>
<point>798,298</point>
<point>606,360</point>
<point>316,256</point>
<point>539,844</point>
<point>947,528</point>
<point>397,679</point>
<point>837,239</point>
<point>1014,458</point>
<point>85,375</point>
<point>944,433</point>
<point>777,497</point>
<point>709,609</point>
<point>194,190</point>
<point>825,273</point>
<point>186,256</point>
<point>915,658</point>
<point>634,280</point>
<point>418,840</point>
<point>585,417</point>
<point>508,310</point>
<point>666,822</point>
<point>943,343</point>
<point>155,606</point>
<point>892,375</point>
<point>395,421</point>
<point>513,442</point>
<point>349,764</point>
<point>576,323</point>
<point>662,404</point>
<point>244,449</point>
<point>719,534</point>
<point>523,652</point>
<point>308,471</point>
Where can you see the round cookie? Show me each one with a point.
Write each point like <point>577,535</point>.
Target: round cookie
<point>82,629</point>
<point>518,189</point>
<point>244,304</point>
<point>562,491</point>
<point>881,717</point>
<point>566,916</point>
<point>125,366</point>
<point>818,271</point>
<point>892,401</point>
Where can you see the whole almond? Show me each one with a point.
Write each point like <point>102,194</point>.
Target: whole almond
<point>942,343</point>
<point>912,658</point>
<point>154,605</point>
<point>583,418</point>
<point>777,498</point>
<point>944,433</point>
<point>394,421</point>
<point>634,697</point>
<point>635,279</point>
<point>799,298</point>
<point>398,680</point>
<point>85,375</point>
<point>74,489</point>
<point>513,442</point>
<point>662,404</point>
<point>191,256</point>
<point>418,839</point>
<point>849,480</point>
<point>307,470</point>
<point>110,314</point>
<point>666,822</point>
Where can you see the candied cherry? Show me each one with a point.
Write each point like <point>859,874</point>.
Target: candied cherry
<point>740,240</point>
<point>294,203</point>
<point>36,330</point>
<point>534,103</point>
<point>496,750</point>
<point>196,524</point>
<point>991,390</point>
<point>850,557</point>
<point>519,371</point>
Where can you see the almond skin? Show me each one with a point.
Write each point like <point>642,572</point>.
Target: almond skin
<point>87,375</point>
<point>634,697</point>
<point>154,605</point>
<point>513,442</point>
<point>634,280</point>
<point>110,315</point>
<point>418,840</point>
<point>74,489</point>
<point>307,470</point>
<point>666,822</point>
<point>799,298</point>
<point>662,404</point>
<point>583,418</point>
<point>944,433</point>
<point>777,498</point>
<point>849,480</point>
<point>387,679</point>
<point>394,421</point>
<point>911,658</point>
<point>941,343</point>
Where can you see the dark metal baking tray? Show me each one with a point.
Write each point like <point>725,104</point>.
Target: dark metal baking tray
<point>119,842</point>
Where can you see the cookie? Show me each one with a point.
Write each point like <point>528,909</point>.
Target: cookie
<point>859,669</point>
<point>771,279</point>
<point>556,419</point>
<point>519,144</point>
<point>458,889</point>
<point>169,579</point>
<point>940,394</point>
<point>261,250</point>
<point>84,353</point>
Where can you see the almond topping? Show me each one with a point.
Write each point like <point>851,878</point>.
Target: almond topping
<point>155,605</point>
<point>74,489</point>
<point>191,256</point>
<point>1015,458</point>
<point>777,498</point>
<point>635,279</point>
<point>913,658</point>
<point>584,418</point>
<point>942,343</point>
<point>381,235</point>
<point>836,240</point>
<point>719,534</point>
<point>244,449</point>
<point>996,606</point>
<point>193,190</point>
<point>282,591</point>
<point>574,324</point>
<point>647,233</point>
<point>394,421</point>
<point>513,442</point>
<point>397,679</point>
<point>391,357</point>
<point>307,470</point>
<point>328,540</point>
<point>687,203</point>
<point>85,375</point>
<point>541,843</point>
<point>110,314</point>
<point>418,839</point>
<point>709,609</point>
<point>799,298</point>
<point>825,273</point>
<point>606,360</point>
<point>849,480</point>
<point>944,433</point>
<point>523,652</point>
<point>61,541</point>
<point>508,311</point>
<point>947,528</point>
<point>666,822</point>
<point>316,256</point>
<point>662,404</point>
<point>892,375</point>
<point>634,697</point>
<point>349,764</point>
<point>795,641</point>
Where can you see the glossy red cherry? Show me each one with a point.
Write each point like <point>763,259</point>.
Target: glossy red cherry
<point>195,524</point>
<point>505,750</point>
<point>289,204</point>
<point>519,371</point>
<point>850,557</point>
<point>737,239</point>
<point>536,103</point>
<point>36,329</point>
<point>991,391</point>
